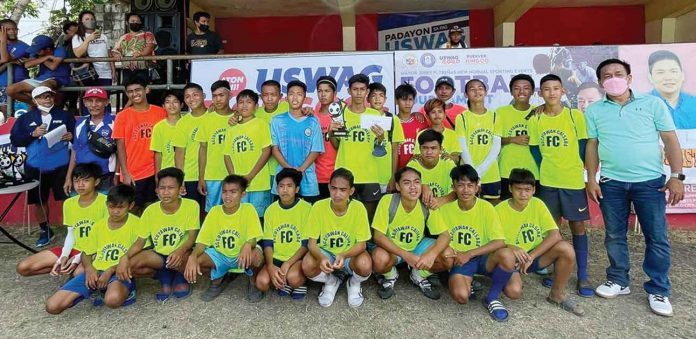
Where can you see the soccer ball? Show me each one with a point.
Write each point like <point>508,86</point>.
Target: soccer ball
<point>335,109</point>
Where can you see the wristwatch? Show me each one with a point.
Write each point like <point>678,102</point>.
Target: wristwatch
<point>678,176</point>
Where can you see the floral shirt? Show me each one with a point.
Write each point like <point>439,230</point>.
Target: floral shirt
<point>130,43</point>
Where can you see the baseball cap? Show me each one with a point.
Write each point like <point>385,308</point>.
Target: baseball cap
<point>38,43</point>
<point>19,50</point>
<point>455,29</point>
<point>40,90</point>
<point>95,92</point>
<point>444,80</point>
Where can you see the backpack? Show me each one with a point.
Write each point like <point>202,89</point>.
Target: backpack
<point>394,206</point>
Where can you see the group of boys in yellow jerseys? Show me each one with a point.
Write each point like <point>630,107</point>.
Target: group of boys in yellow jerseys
<point>441,219</point>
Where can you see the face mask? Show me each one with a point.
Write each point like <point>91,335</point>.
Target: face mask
<point>615,86</point>
<point>44,109</point>
<point>135,27</point>
<point>204,28</point>
<point>90,24</point>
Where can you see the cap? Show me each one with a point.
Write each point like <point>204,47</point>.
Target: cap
<point>38,43</point>
<point>95,92</point>
<point>327,79</point>
<point>40,90</point>
<point>455,29</point>
<point>444,80</point>
<point>18,50</point>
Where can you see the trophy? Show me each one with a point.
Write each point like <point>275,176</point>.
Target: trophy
<point>336,110</point>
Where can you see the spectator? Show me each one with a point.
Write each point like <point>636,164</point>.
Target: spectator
<point>89,42</point>
<point>667,76</point>
<point>625,130</point>
<point>102,124</point>
<point>12,50</point>
<point>135,43</point>
<point>203,40</point>
<point>588,93</point>
<point>456,36</point>
<point>45,164</point>
<point>52,73</point>
<point>69,31</point>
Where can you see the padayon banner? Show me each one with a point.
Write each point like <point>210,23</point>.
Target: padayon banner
<point>423,30</point>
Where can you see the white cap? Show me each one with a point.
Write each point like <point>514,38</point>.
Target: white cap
<point>40,90</point>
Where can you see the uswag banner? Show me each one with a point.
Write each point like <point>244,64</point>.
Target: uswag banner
<point>425,30</point>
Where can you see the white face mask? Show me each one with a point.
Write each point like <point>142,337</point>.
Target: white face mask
<point>44,109</point>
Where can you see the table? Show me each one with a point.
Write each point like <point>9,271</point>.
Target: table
<point>17,191</point>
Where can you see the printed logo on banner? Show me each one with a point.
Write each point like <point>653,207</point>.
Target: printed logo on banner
<point>428,60</point>
<point>410,60</point>
<point>237,80</point>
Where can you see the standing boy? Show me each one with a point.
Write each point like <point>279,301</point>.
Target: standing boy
<point>185,144</point>
<point>165,131</point>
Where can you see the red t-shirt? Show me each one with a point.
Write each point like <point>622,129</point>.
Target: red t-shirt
<point>326,161</point>
<point>135,127</point>
<point>411,129</point>
<point>452,114</point>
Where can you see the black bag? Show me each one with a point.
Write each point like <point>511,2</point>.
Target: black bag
<point>98,144</point>
<point>85,72</point>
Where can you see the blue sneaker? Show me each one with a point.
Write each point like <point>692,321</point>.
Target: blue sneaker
<point>98,300</point>
<point>130,300</point>
<point>45,238</point>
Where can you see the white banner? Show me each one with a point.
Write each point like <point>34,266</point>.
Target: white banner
<point>426,30</point>
<point>251,72</point>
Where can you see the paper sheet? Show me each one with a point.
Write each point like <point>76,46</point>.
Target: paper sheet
<point>367,121</point>
<point>53,137</point>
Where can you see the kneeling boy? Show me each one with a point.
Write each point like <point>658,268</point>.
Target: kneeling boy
<point>227,241</point>
<point>338,230</point>
<point>285,238</point>
<point>399,233</point>
<point>110,242</point>
<point>532,235</point>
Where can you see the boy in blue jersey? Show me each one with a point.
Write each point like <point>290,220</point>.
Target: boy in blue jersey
<point>297,141</point>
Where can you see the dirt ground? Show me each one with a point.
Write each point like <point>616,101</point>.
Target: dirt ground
<point>406,315</point>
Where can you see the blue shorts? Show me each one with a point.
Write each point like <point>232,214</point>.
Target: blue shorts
<point>260,199</point>
<point>420,249</point>
<point>78,285</point>
<point>571,204</point>
<point>332,257</point>
<point>476,265</point>
<point>223,264</point>
<point>214,197</point>
<point>535,266</point>
<point>490,190</point>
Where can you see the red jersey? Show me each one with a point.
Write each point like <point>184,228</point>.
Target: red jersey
<point>326,161</point>
<point>411,128</point>
<point>135,127</point>
<point>451,113</point>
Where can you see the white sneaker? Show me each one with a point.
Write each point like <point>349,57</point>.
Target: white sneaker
<point>328,292</point>
<point>611,290</point>
<point>355,297</point>
<point>660,305</point>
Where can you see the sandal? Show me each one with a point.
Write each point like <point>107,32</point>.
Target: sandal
<point>165,277</point>
<point>569,305</point>
<point>584,289</point>
<point>180,280</point>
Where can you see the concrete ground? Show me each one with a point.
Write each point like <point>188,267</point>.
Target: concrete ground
<point>407,315</point>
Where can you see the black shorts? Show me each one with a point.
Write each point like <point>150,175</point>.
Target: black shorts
<point>505,189</point>
<point>48,181</point>
<point>324,191</point>
<point>368,192</point>
<point>145,192</point>
<point>571,204</point>
<point>490,190</point>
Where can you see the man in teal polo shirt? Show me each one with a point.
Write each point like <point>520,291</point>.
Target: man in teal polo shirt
<point>624,130</point>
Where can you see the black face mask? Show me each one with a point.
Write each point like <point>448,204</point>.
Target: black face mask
<point>204,28</point>
<point>135,27</point>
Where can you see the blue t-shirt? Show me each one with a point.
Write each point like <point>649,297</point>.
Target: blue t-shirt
<point>684,114</point>
<point>16,49</point>
<point>82,152</point>
<point>61,74</point>
<point>296,138</point>
<point>629,136</point>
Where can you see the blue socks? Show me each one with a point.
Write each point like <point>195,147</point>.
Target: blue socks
<point>500,278</point>
<point>581,247</point>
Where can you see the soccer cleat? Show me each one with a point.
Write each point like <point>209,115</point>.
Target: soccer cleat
<point>299,293</point>
<point>328,292</point>
<point>611,290</point>
<point>285,291</point>
<point>386,288</point>
<point>253,293</point>
<point>355,296</point>
<point>425,285</point>
<point>497,310</point>
<point>660,305</point>
<point>45,238</point>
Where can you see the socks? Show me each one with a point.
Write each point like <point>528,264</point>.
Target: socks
<point>321,277</point>
<point>581,247</point>
<point>500,278</point>
<point>391,274</point>
<point>356,279</point>
<point>44,226</point>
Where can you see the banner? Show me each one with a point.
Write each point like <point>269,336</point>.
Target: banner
<point>11,158</point>
<point>659,70</point>
<point>426,30</point>
<point>250,73</point>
